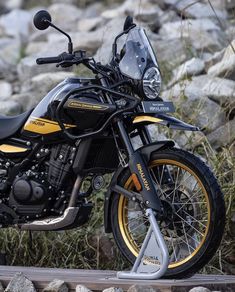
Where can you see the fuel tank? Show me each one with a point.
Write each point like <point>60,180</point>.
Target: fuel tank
<point>81,113</point>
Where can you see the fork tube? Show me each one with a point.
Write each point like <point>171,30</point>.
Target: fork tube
<point>125,138</point>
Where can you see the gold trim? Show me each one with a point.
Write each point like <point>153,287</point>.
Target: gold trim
<point>12,149</point>
<point>141,119</point>
<point>87,106</point>
<point>43,126</point>
<point>122,214</point>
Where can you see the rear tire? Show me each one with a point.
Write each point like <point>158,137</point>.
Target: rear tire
<point>204,233</point>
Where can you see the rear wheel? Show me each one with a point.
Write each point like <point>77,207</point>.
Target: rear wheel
<point>195,209</point>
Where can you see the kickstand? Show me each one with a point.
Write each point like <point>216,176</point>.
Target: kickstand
<point>153,258</point>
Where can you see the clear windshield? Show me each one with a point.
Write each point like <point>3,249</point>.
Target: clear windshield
<point>138,55</point>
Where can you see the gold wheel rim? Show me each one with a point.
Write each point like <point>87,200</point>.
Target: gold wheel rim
<point>122,213</point>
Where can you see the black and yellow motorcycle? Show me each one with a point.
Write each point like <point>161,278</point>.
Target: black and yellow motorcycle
<point>163,205</point>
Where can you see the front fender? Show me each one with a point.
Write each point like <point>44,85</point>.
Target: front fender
<point>165,120</point>
<point>146,151</point>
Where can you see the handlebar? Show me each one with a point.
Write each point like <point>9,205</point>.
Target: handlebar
<point>50,60</point>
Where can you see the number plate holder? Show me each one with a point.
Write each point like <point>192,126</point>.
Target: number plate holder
<point>157,107</point>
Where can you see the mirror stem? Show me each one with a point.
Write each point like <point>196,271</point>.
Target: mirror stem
<point>70,44</point>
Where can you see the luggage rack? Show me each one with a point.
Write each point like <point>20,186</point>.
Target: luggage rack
<point>153,258</point>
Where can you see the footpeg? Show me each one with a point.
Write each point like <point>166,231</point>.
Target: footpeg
<point>153,259</point>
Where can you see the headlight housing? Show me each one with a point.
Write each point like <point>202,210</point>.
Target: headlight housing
<point>152,82</point>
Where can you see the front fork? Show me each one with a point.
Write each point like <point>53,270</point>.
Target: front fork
<point>140,173</point>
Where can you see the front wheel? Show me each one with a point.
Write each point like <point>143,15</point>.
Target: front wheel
<point>195,210</point>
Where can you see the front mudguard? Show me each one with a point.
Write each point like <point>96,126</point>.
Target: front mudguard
<point>146,151</point>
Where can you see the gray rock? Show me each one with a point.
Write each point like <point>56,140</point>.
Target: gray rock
<point>56,286</point>
<point>190,68</point>
<point>199,289</point>
<point>10,107</point>
<point>108,33</point>
<point>65,16</point>
<point>222,136</point>
<point>139,288</point>
<point>192,9</point>
<point>201,111</point>
<point>23,99</point>
<point>89,24</point>
<point>20,283</point>
<point>27,68</point>
<point>10,50</point>
<point>1,287</point>
<point>41,84</point>
<point>16,23</point>
<point>212,59</point>
<point>230,4</point>
<point>113,289</point>
<point>225,68</point>
<point>217,89</point>
<point>5,89</point>
<point>89,41</point>
<point>81,288</point>
<point>13,4</point>
<point>171,52</point>
<point>203,34</point>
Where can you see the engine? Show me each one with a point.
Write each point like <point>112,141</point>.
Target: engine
<point>45,188</point>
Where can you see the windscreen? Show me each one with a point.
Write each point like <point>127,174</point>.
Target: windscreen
<point>138,54</point>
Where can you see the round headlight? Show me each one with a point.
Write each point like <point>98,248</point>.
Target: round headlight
<point>152,82</point>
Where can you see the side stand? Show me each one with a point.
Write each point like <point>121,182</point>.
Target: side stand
<point>153,258</point>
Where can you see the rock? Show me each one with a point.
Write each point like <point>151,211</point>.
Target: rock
<point>230,4</point>
<point>196,106</point>
<point>90,24</point>
<point>10,107</point>
<point>108,33</point>
<point>41,84</point>
<point>5,89</point>
<point>13,4</point>
<point>1,287</point>
<point>222,136</point>
<point>10,50</point>
<point>20,283</point>
<point>188,140</point>
<point>199,289</point>
<point>65,16</point>
<point>81,288</point>
<point>16,23</point>
<point>93,10</point>
<point>28,67</point>
<point>113,289</point>
<point>56,286</point>
<point>225,68</point>
<point>203,34</point>
<point>89,41</point>
<point>139,288</point>
<point>171,52</point>
<point>23,99</point>
<point>192,9</point>
<point>190,68</point>
<point>217,89</point>
<point>213,59</point>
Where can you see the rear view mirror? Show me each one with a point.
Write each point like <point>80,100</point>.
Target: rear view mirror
<point>128,23</point>
<point>42,20</point>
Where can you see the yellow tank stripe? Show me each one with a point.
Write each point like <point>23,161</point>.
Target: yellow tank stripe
<point>43,126</point>
<point>11,149</point>
<point>141,119</point>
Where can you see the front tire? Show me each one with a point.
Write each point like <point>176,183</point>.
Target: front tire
<point>195,223</point>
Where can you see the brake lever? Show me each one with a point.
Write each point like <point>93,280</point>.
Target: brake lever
<point>65,64</point>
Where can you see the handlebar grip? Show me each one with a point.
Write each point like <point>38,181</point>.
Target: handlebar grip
<point>49,60</point>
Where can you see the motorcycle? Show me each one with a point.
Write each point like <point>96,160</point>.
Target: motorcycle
<point>163,205</point>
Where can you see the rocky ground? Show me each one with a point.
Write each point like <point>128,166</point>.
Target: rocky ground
<point>192,46</point>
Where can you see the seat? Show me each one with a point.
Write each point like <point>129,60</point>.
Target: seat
<point>11,125</point>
